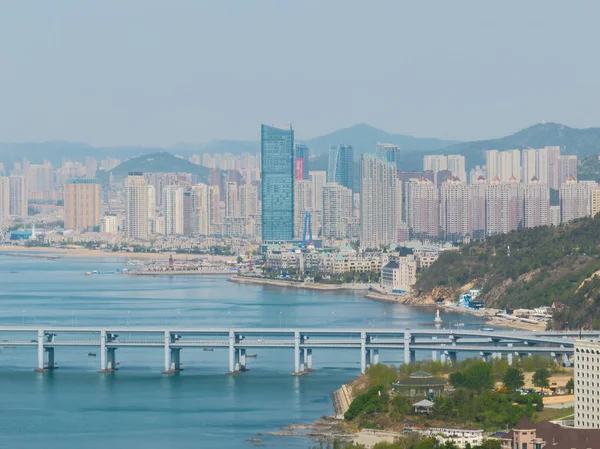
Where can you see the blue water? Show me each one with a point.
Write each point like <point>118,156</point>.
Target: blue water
<point>202,406</point>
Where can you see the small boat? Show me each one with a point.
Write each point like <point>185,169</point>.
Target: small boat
<point>91,354</point>
<point>208,349</point>
<point>252,356</point>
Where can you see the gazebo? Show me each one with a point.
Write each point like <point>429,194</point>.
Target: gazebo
<point>420,384</point>
<point>423,406</point>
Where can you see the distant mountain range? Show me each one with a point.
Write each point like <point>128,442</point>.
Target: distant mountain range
<point>582,142</point>
<point>159,162</point>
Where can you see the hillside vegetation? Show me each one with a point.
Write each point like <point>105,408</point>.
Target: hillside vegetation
<point>529,268</point>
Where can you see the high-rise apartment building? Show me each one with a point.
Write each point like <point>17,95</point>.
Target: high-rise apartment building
<point>200,207</point>
<point>456,164</point>
<point>594,201</point>
<point>136,206</point>
<point>302,204</point>
<point>18,203</point>
<point>503,165</point>
<point>82,204</point>
<point>318,180</point>
<point>541,164</point>
<point>214,206</point>
<point>91,166</point>
<point>491,164</point>
<point>40,181</point>
<point>248,199</point>
<point>173,210</point>
<point>151,201</point>
<point>423,208</point>
<point>231,200</point>
<point>529,164</point>
<point>586,384</point>
<point>301,162</point>
<point>277,156</point>
<point>553,160</point>
<point>109,224</point>
<point>337,209</point>
<point>554,215</point>
<point>455,209</point>
<point>536,204</point>
<point>389,152</point>
<point>341,165</point>
<point>567,168</point>
<point>502,205</point>
<point>478,210</point>
<point>575,200</point>
<point>4,197</point>
<point>435,163</point>
<point>380,202</point>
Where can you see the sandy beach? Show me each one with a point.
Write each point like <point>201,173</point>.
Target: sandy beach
<point>89,253</point>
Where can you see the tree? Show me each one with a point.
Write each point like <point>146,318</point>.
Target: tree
<point>541,378</point>
<point>570,386</point>
<point>240,259</point>
<point>513,379</point>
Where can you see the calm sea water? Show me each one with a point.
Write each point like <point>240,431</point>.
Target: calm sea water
<point>202,406</point>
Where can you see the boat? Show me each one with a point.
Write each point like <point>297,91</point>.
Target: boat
<point>91,354</point>
<point>252,356</point>
<point>208,349</point>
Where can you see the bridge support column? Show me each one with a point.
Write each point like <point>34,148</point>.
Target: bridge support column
<point>232,352</point>
<point>50,362</point>
<point>167,341</point>
<point>409,355</point>
<point>434,354</point>
<point>375,356</point>
<point>565,359</point>
<point>308,358</point>
<point>444,357</point>
<point>242,359</point>
<point>509,356</point>
<point>453,357</point>
<point>175,360</point>
<point>111,364</point>
<point>102,351</point>
<point>363,352</point>
<point>40,348</point>
<point>297,367</point>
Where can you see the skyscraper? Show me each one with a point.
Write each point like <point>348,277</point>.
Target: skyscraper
<point>301,162</point>
<point>456,164</point>
<point>502,211</point>
<point>536,204</point>
<point>173,210</point>
<point>503,164</point>
<point>4,197</point>
<point>455,209</point>
<point>567,168</point>
<point>575,200</point>
<point>302,204</point>
<point>529,164</point>
<point>136,206</point>
<point>435,163</point>
<point>277,173</point>
<point>553,158</point>
<point>337,208</point>
<point>18,203</point>
<point>389,152</point>
<point>380,202</point>
<point>231,200</point>
<point>82,201</point>
<point>341,165</point>
<point>248,199</point>
<point>477,195</point>
<point>200,223</point>
<point>423,208</point>
<point>318,180</point>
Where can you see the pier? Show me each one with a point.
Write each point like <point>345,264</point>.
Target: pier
<point>443,345</point>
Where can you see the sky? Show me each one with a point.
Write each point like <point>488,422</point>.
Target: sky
<point>149,72</point>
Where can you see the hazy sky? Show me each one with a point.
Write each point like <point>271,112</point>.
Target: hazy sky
<point>162,72</point>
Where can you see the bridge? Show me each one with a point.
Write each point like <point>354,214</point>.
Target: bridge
<point>444,344</point>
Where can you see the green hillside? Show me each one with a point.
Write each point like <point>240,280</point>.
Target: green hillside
<point>529,268</point>
<point>589,169</point>
<point>160,163</point>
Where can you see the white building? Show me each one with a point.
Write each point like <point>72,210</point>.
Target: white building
<point>173,210</point>
<point>248,199</point>
<point>422,208</point>
<point>536,204</point>
<point>456,164</point>
<point>502,207</point>
<point>435,163</point>
<point>567,168</point>
<point>503,164</point>
<point>109,224</point>
<point>587,384</point>
<point>337,209</point>
<point>380,202</point>
<point>575,199</point>
<point>18,203</point>
<point>399,275</point>
<point>200,220</point>
<point>4,197</point>
<point>231,200</point>
<point>302,204</point>
<point>554,215</point>
<point>455,209</point>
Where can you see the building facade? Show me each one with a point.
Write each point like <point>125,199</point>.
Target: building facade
<point>341,165</point>
<point>337,209</point>
<point>136,206</point>
<point>586,383</point>
<point>82,204</point>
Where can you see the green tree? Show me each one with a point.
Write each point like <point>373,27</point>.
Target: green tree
<point>541,378</point>
<point>513,379</point>
<point>570,386</point>
<point>240,259</point>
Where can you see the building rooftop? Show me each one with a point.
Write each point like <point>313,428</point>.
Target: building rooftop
<point>558,437</point>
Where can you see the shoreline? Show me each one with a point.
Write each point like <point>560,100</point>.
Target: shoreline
<point>292,284</point>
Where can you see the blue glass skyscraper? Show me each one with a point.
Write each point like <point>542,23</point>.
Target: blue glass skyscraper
<point>341,165</point>
<point>301,164</point>
<point>277,174</point>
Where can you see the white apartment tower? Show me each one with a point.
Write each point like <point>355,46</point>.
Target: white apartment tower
<point>536,204</point>
<point>173,210</point>
<point>503,213</point>
<point>231,200</point>
<point>18,203</point>
<point>455,209</point>
<point>575,200</point>
<point>567,168</point>
<point>200,223</point>
<point>586,384</point>
<point>477,195</point>
<point>380,202</point>
<point>503,164</point>
<point>302,204</point>
<point>4,197</point>
<point>337,208</point>
<point>248,198</point>
<point>456,165</point>
<point>423,208</point>
<point>435,163</point>
<point>136,206</point>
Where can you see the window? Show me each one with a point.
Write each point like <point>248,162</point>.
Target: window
<point>523,445</point>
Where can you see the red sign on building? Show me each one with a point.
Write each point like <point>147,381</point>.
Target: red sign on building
<point>299,169</point>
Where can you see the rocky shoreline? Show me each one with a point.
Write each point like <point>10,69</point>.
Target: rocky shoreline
<point>293,284</point>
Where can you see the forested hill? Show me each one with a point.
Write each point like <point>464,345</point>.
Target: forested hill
<point>528,268</point>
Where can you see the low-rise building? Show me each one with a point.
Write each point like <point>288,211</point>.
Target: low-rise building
<point>459,437</point>
<point>399,275</point>
<point>546,435</point>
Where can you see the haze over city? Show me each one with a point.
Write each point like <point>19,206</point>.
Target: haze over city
<point>159,73</point>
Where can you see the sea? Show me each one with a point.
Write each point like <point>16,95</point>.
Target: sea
<point>75,406</point>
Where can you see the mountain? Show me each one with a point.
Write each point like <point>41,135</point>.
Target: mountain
<point>582,142</point>
<point>589,169</point>
<point>363,139</point>
<point>544,265</point>
<point>159,162</point>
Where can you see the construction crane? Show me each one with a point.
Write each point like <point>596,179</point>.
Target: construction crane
<point>307,237</point>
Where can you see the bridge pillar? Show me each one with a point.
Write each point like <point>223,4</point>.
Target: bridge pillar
<point>175,360</point>
<point>167,348</point>
<point>434,353</point>
<point>297,352</point>
<point>40,348</point>
<point>409,355</point>
<point>232,352</point>
<point>308,356</point>
<point>50,362</point>
<point>111,364</point>
<point>509,356</point>
<point>453,355</point>
<point>375,356</point>
<point>242,359</point>
<point>363,352</point>
<point>444,357</point>
<point>102,350</point>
